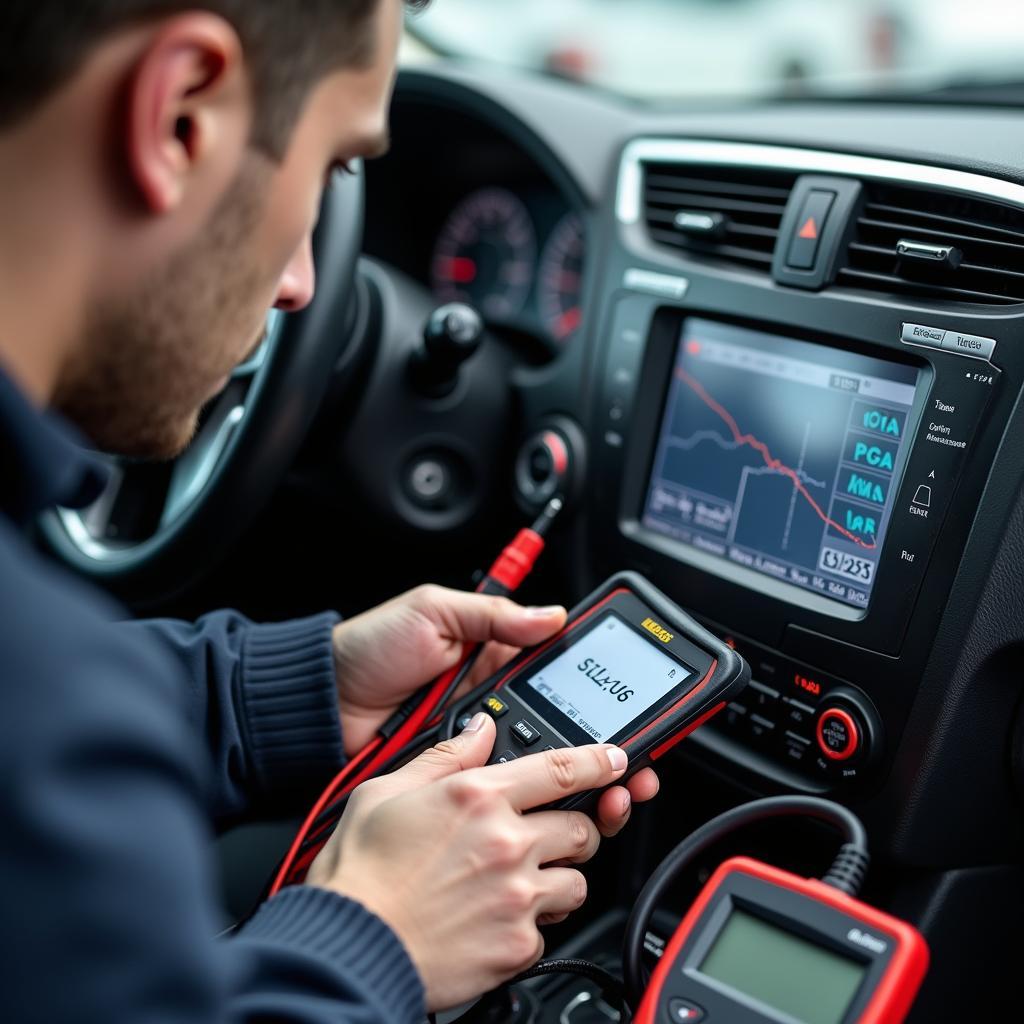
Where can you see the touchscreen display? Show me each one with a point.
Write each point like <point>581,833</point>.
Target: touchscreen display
<point>607,678</point>
<point>788,973</point>
<point>782,456</point>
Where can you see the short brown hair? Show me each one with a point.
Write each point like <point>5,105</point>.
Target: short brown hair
<point>289,45</point>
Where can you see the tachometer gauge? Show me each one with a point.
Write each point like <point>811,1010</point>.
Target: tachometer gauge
<point>486,254</point>
<point>560,283</point>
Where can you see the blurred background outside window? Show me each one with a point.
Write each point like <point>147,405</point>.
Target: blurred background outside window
<point>700,49</point>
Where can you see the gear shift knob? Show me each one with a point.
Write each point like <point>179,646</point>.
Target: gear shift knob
<point>451,335</point>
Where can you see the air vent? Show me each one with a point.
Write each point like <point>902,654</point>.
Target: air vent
<point>937,245</point>
<point>726,214</point>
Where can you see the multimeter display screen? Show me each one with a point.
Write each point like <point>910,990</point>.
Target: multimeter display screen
<point>782,970</point>
<point>607,678</point>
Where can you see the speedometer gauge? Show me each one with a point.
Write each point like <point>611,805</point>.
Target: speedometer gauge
<point>561,278</point>
<point>486,254</point>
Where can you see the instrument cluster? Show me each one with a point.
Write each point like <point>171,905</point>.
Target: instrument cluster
<point>517,259</point>
<point>470,212</point>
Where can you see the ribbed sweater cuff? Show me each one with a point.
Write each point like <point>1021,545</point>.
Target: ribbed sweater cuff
<point>356,944</point>
<point>290,703</point>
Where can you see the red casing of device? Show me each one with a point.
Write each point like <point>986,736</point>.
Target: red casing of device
<point>894,996</point>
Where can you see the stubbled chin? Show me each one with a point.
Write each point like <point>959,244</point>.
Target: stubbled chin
<point>219,386</point>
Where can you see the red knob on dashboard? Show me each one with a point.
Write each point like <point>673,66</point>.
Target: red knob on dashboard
<point>839,737</point>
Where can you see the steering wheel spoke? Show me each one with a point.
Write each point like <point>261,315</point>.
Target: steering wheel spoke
<point>194,468</point>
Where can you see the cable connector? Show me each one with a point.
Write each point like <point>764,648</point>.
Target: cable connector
<point>849,869</point>
<point>517,560</point>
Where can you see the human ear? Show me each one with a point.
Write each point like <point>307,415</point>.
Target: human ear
<point>187,107</point>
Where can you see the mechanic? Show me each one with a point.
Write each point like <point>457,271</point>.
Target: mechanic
<point>162,163</point>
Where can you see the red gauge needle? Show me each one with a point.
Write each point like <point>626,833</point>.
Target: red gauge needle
<point>567,323</point>
<point>460,269</point>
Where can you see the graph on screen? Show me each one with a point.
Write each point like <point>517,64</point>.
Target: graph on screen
<point>781,455</point>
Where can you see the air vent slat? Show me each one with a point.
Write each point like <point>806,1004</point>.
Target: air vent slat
<point>736,253</point>
<point>891,254</point>
<point>754,231</point>
<point>988,237</point>
<point>904,216</point>
<point>900,285</point>
<point>946,236</point>
<point>749,200</point>
<point>725,205</point>
<point>667,217</point>
<point>725,188</point>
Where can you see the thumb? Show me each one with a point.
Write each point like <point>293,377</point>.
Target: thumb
<point>469,749</point>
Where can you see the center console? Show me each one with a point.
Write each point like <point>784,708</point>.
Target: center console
<point>794,460</point>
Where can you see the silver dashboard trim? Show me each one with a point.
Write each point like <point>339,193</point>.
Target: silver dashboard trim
<point>628,199</point>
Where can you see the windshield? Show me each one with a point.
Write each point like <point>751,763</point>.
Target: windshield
<point>672,49</point>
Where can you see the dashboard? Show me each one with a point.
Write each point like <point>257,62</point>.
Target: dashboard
<point>788,397</point>
<point>773,357</point>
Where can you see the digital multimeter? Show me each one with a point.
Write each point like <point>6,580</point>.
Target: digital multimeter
<point>630,667</point>
<point>764,946</point>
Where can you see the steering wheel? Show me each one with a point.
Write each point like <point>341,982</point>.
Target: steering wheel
<point>247,438</point>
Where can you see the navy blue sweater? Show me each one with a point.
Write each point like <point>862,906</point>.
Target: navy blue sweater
<point>121,744</point>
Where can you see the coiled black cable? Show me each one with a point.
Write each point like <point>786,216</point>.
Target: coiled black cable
<point>847,871</point>
<point>612,989</point>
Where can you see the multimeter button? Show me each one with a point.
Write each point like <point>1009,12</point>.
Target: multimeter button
<point>505,756</point>
<point>463,720</point>
<point>682,1011</point>
<point>525,732</point>
<point>494,705</point>
<point>838,735</point>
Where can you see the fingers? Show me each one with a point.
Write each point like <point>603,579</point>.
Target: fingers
<point>565,836</point>
<point>613,809</point>
<point>551,919</point>
<point>555,774</point>
<point>644,785</point>
<point>562,890</point>
<point>469,749</point>
<point>477,618</point>
<point>615,804</point>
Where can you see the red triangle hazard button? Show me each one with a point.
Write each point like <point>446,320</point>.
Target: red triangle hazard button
<point>809,230</point>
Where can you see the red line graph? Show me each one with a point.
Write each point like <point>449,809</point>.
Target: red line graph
<point>762,449</point>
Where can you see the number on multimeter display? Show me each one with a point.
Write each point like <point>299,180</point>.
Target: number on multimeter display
<point>843,564</point>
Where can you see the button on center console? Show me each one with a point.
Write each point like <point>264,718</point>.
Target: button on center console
<point>803,249</point>
<point>974,345</point>
<point>815,728</point>
<point>837,734</point>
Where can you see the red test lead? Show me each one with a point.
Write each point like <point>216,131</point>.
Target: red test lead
<point>503,578</point>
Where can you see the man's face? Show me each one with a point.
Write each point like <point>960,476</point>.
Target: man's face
<point>153,358</point>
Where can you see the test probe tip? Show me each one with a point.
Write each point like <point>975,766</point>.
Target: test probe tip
<point>545,519</point>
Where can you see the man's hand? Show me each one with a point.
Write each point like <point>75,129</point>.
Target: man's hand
<point>441,851</point>
<point>387,653</point>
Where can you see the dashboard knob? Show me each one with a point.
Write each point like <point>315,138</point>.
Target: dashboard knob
<point>551,461</point>
<point>451,335</point>
<point>839,736</point>
<point>543,467</point>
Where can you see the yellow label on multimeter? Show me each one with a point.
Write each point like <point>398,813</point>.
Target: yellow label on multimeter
<point>659,631</point>
<point>495,705</point>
